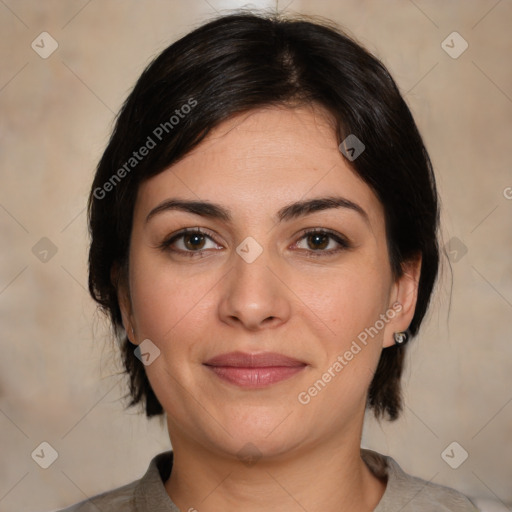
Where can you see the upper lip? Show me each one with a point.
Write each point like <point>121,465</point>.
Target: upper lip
<point>246,360</point>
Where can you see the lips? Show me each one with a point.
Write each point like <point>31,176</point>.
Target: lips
<point>254,370</point>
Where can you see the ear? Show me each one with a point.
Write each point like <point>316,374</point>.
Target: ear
<point>120,282</point>
<point>402,299</point>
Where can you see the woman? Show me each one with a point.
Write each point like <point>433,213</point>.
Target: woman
<point>264,239</point>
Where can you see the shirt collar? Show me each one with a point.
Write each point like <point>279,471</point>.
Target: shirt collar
<point>151,496</point>
<point>150,493</point>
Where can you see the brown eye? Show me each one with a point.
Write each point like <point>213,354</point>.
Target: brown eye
<point>189,242</point>
<point>193,241</point>
<point>319,240</point>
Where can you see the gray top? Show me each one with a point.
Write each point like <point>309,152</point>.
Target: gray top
<point>404,493</point>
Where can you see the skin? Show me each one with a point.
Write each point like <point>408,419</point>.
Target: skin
<point>286,301</point>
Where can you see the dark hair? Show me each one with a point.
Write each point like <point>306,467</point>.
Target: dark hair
<point>241,62</point>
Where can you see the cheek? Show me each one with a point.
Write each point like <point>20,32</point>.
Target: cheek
<point>347,299</point>
<point>349,303</point>
<point>349,345</point>
<point>341,300</point>
<point>170,309</point>
<point>163,296</point>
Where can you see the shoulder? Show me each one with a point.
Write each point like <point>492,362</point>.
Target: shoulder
<point>122,498</point>
<point>146,494</point>
<point>412,494</point>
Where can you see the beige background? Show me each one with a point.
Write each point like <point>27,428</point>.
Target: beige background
<point>58,381</point>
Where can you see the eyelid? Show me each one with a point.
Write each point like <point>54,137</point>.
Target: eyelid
<point>334,235</point>
<point>195,230</point>
<point>341,240</point>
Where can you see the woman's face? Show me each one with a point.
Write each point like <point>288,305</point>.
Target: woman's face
<point>316,309</point>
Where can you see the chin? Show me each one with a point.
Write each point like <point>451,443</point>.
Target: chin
<point>249,448</point>
<point>269,437</point>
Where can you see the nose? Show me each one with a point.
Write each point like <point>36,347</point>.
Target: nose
<point>255,294</point>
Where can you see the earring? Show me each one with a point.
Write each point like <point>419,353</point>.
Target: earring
<point>400,337</point>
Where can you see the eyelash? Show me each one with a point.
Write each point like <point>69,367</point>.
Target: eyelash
<point>342,241</point>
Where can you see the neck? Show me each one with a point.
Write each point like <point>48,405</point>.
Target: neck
<point>327,477</point>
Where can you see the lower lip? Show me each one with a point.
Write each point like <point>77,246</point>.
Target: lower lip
<point>255,377</point>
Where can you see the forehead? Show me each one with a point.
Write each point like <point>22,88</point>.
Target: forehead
<point>261,160</point>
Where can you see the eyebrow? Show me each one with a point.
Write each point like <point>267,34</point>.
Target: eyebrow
<point>287,213</point>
